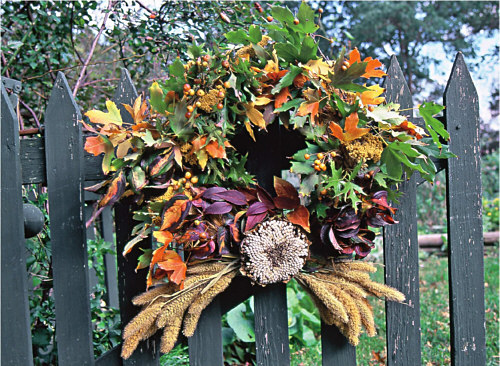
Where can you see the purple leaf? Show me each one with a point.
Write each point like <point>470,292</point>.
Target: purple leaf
<point>232,196</point>
<point>256,208</point>
<point>253,220</point>
<point>285,203</point>
<point>333,240</point>
<point>218,208</point>
<point>211,193</point>
<point>265,198</point>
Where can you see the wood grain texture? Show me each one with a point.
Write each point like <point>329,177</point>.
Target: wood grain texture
<point>271,325</point>
<point>130,283</point>
<point>16,335</point>
<point>110,277</point>
<point>64,156</point>
<point>465,229</point>
<point>335,349</point>
<point>205,346</point>
<point>401,252</point>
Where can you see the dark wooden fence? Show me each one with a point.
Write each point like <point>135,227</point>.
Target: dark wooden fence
<point>58,161</point>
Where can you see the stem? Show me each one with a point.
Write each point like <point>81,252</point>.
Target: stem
<point>32,113</point>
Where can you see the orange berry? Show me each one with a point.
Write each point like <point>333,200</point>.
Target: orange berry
<point>152,16</point>
<point>197,222</point>
<point>187,175</point>
<point>323,192</point>
<point>371,108</point>
<point>269,18</point>
<point>203,236</point>
<point>333,154</point>
<point>344,67</point>
<point>191,92</point>
<point>187,87</point>
<point>198,104</point>
<point>220,106</point>
<point>317,162</point>
<point>227,84</point>
<point>321,156</point>
<point>320,10</point>
<point>187,185</point>
<point>307,156</point>
<point>194,180</point>
<point>221,94</point>
<point>322,166</point>
<point>296,21</point>
<point>182,180</point>
<point>204,64</point>
<point>200,93</point>
<point>225,64</point>
<point>188,115</point>
<point>316,167</point>
<point>197,81</point>
<point>206,58</point>
<point>175,187</point>
<point>190,108</point>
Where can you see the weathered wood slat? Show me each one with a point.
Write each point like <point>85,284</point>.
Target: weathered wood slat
<point>401,252</point>
<point>110,276</point>
<point>335,349</point>
<point>271,325</point>
<point>465,229</point>
<point>64,156</point>
<point>130,283</point>
<point>16,339</point>
<point>110,358</point>
<point>90,234</point>
<point>205,346</point>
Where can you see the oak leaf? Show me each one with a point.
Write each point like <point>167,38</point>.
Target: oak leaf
<point>352,132</point>
<point>112,116</point>
<point>96,145</point>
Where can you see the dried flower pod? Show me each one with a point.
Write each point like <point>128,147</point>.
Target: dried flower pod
<point>274,251</point>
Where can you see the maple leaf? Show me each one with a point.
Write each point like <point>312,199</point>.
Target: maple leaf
<point>112,116</point>
<point>371,96</point>
<point>173,214</point>
<point>352,132</point>
<point>163,236</point>
<point>175,267</point>
<point>300,80</point>
<point>212,148</point>
<point>273,71</point>
<point>372,64</point>
<point>308,108</point>
<point>96,145</point>
<point>254,115</point>
<point>138,111</point>
<point>282,97</point>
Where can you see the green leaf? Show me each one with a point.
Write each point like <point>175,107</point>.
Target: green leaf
<point>352,87</point>
<point>179,123</point>
<point>310,149</point>
<point>237,37</point>
<point>255,34</point>
<point>243,327</point>
<point>308,50</point>
<point>138,178</point>
<point>302,168</point>
<point>287,79</point>
<point>289,105</point>
<point>148,139</point>
<point>286,51</point>
<point>306,17</point>
<point>433,125</point>
<point>391,164</point>
<point>176,69</point>
<point>283,15</point>
<point>157,100</point>
<point>194,51</point>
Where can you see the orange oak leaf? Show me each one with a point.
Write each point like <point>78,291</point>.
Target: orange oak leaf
<point>300,216</point>
<point>282,97</point>
<point>138,111</point>
<point>175,267</point>
<point>215,150</point>
<point>372,64</point>
<point>352,132</point>
<point>309,108</point>
<point>96,145</point>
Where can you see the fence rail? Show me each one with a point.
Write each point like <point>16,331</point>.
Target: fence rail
<point>58,161</point>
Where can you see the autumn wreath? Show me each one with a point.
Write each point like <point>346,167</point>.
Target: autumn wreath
<point>176,160</point>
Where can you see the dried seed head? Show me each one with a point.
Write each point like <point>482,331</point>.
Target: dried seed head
<point>274,252</point>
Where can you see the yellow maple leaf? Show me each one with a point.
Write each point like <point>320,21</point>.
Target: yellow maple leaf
<point>352,132</point>
<point>112,116</point>
<point>371,96</point>
<point>254,115</point>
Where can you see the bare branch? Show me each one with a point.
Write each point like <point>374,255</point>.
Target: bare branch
<point>144,6</point>
<point>111,4</point>
<point>31,111</point>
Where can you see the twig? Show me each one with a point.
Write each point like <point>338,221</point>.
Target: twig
<point>144,6</point>
<point>32,112</point>
<point>71,34</point>
<point>111,4</point>
<point>5,63</point>
<point>99,81</point>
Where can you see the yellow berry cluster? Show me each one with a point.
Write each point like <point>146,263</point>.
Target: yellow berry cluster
<point>367,147</point>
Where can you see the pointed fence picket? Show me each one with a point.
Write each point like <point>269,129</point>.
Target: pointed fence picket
<point>58,161</point>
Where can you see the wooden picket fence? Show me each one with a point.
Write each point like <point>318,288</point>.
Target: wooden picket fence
<point>58,161</point>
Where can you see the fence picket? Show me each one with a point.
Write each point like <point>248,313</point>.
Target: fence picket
<point>130,283</point>
<point>16,340</point>
<point>64,154</point>
<point>465,229</point>
<point>401,251</point>
<point>110,277</point>
<point>335,349</point>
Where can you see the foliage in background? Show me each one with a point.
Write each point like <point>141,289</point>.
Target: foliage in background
<point>105,320</point>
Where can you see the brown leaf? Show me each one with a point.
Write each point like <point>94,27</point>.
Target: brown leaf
<point>308,108</point>
<point>300,216</point>
<point>282,97</point>
<point>285,189</point>
<point>95,145</point>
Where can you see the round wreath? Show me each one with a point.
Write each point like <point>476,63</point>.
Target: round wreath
<point>176,158</point>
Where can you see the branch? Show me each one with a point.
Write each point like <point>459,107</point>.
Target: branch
<point>144,6</point>
<point>99,81</point>
<point>71,34</point>
<point>111,4</point>
<point>32,113</point>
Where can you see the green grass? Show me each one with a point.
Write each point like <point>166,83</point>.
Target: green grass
<point>435,321</point>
